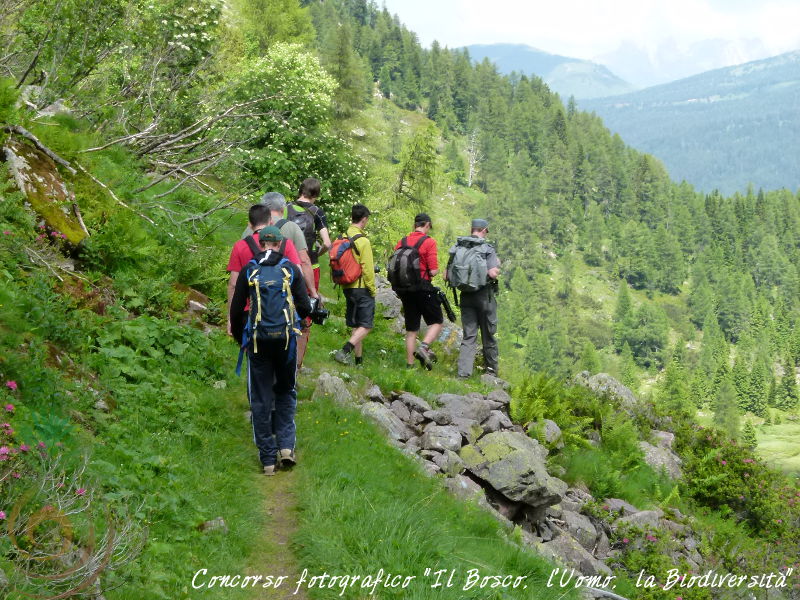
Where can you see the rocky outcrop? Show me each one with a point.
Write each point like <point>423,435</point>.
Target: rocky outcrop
<point>38,178</point>
<point>471,443</point>
<point>662,458</point>
<point>330,386</point>
<point>514,465</point>
<point>604,384</point>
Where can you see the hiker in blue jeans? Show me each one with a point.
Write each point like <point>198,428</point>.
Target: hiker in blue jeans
<point>275,289</point>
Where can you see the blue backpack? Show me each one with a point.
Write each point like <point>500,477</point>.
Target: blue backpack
<point>272,313</point>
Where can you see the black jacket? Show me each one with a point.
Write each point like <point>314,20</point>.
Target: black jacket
<point>238,315</point>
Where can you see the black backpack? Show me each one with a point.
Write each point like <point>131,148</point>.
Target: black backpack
<point>304,216</point>
<point>404,272</point>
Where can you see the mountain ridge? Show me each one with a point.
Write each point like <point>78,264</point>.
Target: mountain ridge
<point>723,129</point>
<point>565,75</point>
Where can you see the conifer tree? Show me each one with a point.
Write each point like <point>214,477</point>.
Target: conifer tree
<point>627,368</point>
<point>590,359</point>
<point>749,438</point>
<point>538,352</point>
<point>726,414</point>
<point>623,315</point>
<point>674,392</point>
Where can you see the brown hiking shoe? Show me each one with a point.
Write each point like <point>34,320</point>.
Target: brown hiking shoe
<point>424,356</point>
<point>286,458</point>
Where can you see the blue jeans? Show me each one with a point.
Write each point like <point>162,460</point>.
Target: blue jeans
<point>271,374</point>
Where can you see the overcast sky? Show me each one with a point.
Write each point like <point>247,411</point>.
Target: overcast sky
<point>591,28</point>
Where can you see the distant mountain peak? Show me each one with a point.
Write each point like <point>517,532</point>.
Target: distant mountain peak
<point>565,75</point>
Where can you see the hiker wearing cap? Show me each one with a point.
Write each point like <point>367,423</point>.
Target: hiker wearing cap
<point>312,220</point>
<point>243,251</point>
<point>276,291</point>
<point>473,269</point>
<point>411,268</point>
<point>276,204</point>
<point>360,294</point>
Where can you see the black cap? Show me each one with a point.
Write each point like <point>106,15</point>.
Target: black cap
<point>421,219</point>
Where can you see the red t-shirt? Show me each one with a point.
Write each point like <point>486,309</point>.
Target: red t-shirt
<point>428,260</point>
<point>242,254</point>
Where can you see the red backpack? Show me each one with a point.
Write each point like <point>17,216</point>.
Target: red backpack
<point>345,268</point>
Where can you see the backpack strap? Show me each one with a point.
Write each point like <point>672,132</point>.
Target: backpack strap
<point>419,243</point>
<point>353,242</point>
<point>255,248</point>
<point>281,222</point>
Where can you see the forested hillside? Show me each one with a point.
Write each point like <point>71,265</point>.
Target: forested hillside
<point>137,133</point>
<point>724,129</point>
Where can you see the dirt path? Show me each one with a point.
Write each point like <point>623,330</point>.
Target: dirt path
<point>274,556</point>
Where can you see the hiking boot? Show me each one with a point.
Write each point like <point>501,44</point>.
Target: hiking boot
<point>434,358</point>
<point>286,458</point>
<point>269,470</point>
<point>424,356</point>
<point>343,357</point>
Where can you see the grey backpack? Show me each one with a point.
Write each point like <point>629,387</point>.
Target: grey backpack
<point>467,270</point>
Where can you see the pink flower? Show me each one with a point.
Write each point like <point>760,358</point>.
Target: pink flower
<point>4,451</point>
<point>2,515</point>
<point>12,385</point>
<point>80,491</point>
<point>605,507</point>
<point>9,408</point>
<point>724,462</point>
<point>741,497</point>
<point>42,445</point>
<point>24,447</point>
<point>16,475</point>
<point>625,540</point>
<point>6,232</point>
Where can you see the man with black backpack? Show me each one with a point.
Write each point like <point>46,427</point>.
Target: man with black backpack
<point>411,268</point>
<point>473,269</point>
<point>276,292</point>
<point>312,221</point>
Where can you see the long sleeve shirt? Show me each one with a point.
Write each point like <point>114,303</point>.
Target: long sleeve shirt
<point>365,259</point>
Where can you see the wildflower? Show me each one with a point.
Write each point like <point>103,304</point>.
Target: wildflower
<point>24,447</point>
<point>9,408</point>
<point>16,475</point>
<point>4,451</point>
<point>80,492</point>
<point>12,385</point>
<point>625,540</point>
<point>605,507</point>
<point>42,445</point>
<point>6,232</point>
<point>2,515</point>
<point>724,462</point>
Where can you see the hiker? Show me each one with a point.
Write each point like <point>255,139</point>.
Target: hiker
<point>473,269</point>
<point>243,251</point>
<point>276,204</point>
<point>300,210</point>
<point>412,267</point>
<point>277,288</point>
<point>360,294</point>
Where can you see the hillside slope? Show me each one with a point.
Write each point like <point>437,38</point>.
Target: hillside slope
<point>724,129</point>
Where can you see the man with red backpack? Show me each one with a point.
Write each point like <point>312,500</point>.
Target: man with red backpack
<point>411,268</point>
<point>359,293</point>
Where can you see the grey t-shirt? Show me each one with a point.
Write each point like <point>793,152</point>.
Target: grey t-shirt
<point>291,231</point>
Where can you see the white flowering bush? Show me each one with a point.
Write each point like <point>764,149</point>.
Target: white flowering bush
<point>287,128</point>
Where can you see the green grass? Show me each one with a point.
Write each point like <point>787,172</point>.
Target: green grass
<point>780,445</point>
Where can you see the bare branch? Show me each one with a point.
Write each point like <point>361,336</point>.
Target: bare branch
<point>116,198</point>
<point>39,145</point>
<point>126,138</point>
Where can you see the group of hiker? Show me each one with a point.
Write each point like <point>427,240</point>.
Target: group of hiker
<point>273,299</point>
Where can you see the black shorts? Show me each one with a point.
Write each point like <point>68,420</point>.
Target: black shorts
<point>423,304</point>
<point>360,310</point>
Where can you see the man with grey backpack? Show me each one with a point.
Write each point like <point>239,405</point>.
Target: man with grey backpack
<point>473,269</point>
